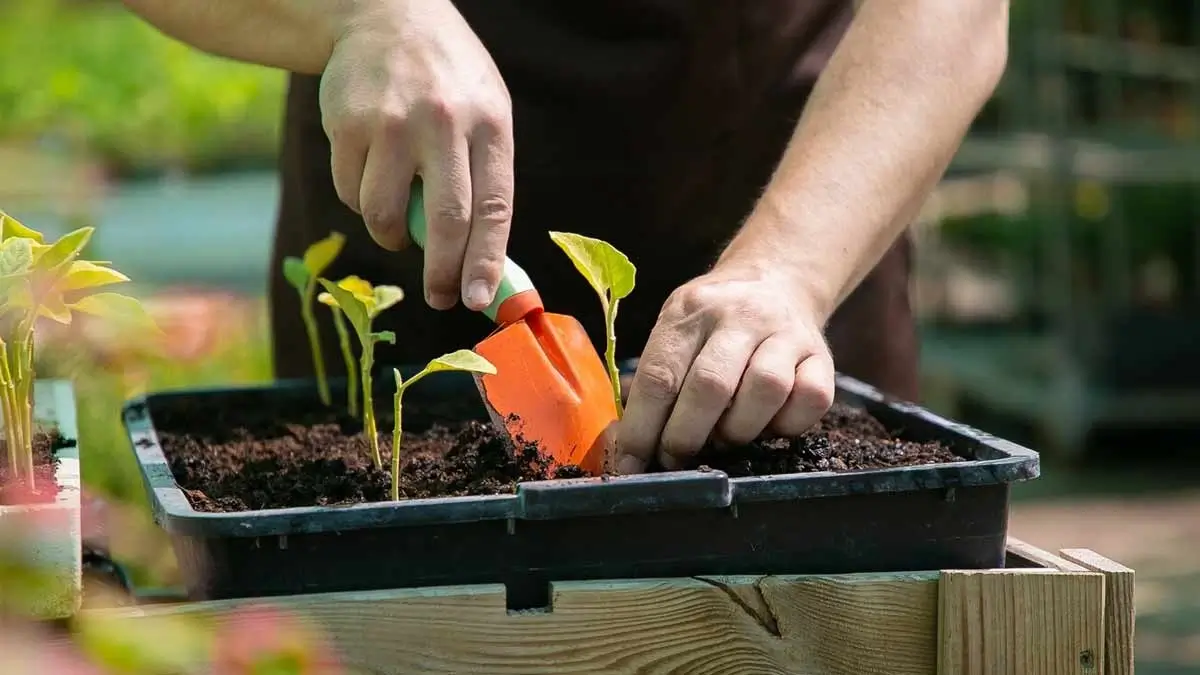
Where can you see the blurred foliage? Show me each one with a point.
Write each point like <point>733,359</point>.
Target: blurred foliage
<point>92,77</point>
<point>1153,221</point>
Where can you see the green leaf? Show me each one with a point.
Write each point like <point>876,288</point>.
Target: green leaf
<point>321,255</point>
<point>117,307</point>
<point>385,297</point>
<point>384,336</point>
<point>354,309</point>
<point>64,249</point>
<point>83,274</point>
<point>296,273</point>
<point>463,360</point>
<point>16,256</point>
<point>11,228</point>
<point>608,270</point>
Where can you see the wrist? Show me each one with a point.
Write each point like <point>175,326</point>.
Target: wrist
<point>770,247</point>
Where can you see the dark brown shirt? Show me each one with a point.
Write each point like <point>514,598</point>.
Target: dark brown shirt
<point>653,124</point>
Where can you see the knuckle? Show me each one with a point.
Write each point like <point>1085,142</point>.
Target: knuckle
<point>710,383</point>
<point>496,120</point>
<point>393,124</point>
<point>658,382</point>
<point>442,110</point>
<point>815,396</point>
<point>452,214</point>
<point>493,211</point>
<point>772,383</point>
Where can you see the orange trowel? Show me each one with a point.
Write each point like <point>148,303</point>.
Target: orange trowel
<point>550,384</point>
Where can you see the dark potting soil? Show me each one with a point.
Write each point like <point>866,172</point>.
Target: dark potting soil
<point>45,488</point>
<point>229,455</point>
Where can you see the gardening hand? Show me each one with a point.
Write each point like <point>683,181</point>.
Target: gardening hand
<point>736,352</point>
<point>410,90</point>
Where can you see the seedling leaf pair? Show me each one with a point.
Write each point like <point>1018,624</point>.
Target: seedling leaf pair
<point>463,360</point>
<point>611,274</point>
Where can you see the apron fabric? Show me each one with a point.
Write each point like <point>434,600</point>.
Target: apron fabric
<point>652,124</point>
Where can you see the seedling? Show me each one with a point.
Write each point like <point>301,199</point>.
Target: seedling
<point>302,274</point>
<point>612,276</point>
<point>361,303</point>
<point>45,281</point>
<point>463,360</point>
<point>339,323</point>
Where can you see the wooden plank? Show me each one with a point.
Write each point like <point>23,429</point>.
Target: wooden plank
<point>1021,621</point>
<point>836,625</point>
<point>1031,556</point>
<point>1119,612</point>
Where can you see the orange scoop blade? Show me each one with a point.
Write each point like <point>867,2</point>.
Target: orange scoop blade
<point>549,376</point>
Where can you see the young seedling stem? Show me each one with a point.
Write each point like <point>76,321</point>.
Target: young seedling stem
<point>463,360</point>
<point>361,302</point>
<point>339,323</point>
<point>302,274</point>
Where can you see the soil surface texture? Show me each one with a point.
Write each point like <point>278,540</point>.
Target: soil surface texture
<point>45,488</point>
<point>245,451</point>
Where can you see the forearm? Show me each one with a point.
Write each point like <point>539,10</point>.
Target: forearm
<point>295,35</point>
<point>883,122</point>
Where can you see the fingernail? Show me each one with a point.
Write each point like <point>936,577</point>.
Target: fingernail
<point>479,294</point>
<point>440,300</point>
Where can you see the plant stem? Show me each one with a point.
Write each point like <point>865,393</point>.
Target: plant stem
<point>348,355</point>
<point>25,404</point>
<point>397,433</point>
<point>8,396</point>
<point>610,353</point>
<point>368,407</point>
<point>314,343</point>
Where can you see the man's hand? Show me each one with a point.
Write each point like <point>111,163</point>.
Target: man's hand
<point>735,352</point>
<point>409,89</point>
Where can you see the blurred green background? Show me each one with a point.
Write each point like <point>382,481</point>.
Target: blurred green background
<point>94,78</point>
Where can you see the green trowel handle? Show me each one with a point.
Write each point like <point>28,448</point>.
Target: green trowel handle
<point>514,281</point>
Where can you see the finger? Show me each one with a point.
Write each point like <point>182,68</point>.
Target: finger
<point>765,388</point>
<point>710,385</point>
<point>661,370</point>
<point>491,214</point>
<point>383,195</point>
<point>346,162</point>
<point>811,396</point>
<point>448,214</point>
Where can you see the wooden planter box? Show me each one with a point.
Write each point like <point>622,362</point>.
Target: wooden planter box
<point>1070,612</point>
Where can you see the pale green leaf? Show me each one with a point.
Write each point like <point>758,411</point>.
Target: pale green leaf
<point>115,307</point>
<point>321,255</point>
<point>83,274</point>
<point>350,304</point>
<point>385,297</point>
<point>64,249</point>
<point>608,270</point>
<point>361,288</point>
<point>296,273</point>
<point>16,256</point>
<point>384,336</point>
<point>461,360</point>
<point>12,228</point>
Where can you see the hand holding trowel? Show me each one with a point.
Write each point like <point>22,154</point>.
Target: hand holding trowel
<point>550,385</point>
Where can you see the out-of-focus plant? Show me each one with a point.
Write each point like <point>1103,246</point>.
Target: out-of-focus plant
<point>40,280</point>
